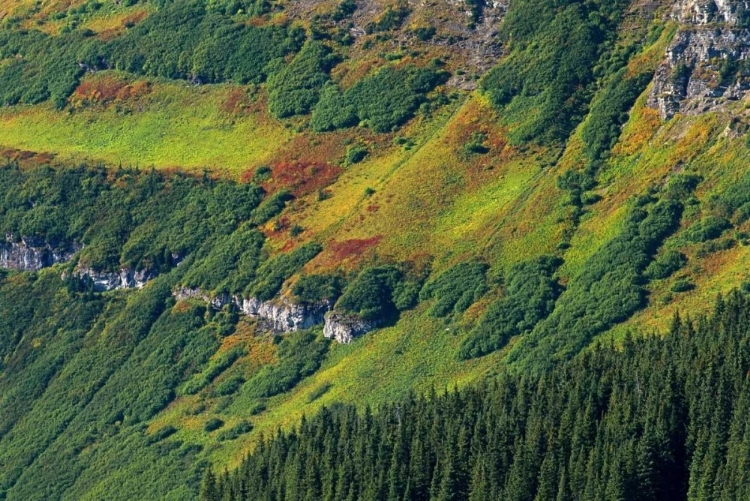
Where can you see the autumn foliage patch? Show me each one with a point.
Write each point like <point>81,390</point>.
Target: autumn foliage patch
<point>352,247</point>
<point>303,177</point>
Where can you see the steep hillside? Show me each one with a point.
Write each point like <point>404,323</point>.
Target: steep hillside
<point>220,216</point>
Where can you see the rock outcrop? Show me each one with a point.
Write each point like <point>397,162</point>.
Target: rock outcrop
<point>33,254</point>
<point>284,315</point>
<point>702,12</point>
<point>344,328</point>
<point>107,281</point>
<point>281,315</point>
<point>702,69</point>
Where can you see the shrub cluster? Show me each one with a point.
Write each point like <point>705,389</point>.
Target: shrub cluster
<point>608,290</point>
<point>181,40</point>
<point>530,295</point>
<point>554,49</point>
<point>317,288</point>
<point>379,293</point>
<point>382,101</point>
<point>456,288</point>
<point>295,89</point>
<point>299,354</point>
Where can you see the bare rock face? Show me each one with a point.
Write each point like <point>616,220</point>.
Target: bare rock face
<point>468,28</point>
<point>108,281</point>
<point>280,315</point>
<point>33,254</point>
<point>701,12</point>
<point>284,315</point>
<point>701,70</point>
<point>344,328</point>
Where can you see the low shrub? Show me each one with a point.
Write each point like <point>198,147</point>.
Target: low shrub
<point>709,228</point>
<point>665,265</point>
<point>319,392</point>
<point>235,431</point>
<point>456,289</point>
<point>682,285</point>
<point>213,424</point>
<point>530,295</point>
<point>383,101</point>
<point>229,386</point>
<point>316,288</point>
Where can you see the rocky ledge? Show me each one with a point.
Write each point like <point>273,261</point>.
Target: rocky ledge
<point>701,12</point>
<point>283,315</point>
<point>279,315</point>
<point>108,281</point>
<point>344,328</point>
<point>701,70</point>
<point>33,254</point>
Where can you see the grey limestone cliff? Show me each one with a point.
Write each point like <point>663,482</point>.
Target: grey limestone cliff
<point>33,254</point>
<point>123,279</point>
<point>344,328</point>
<point>278,315</point>
<point>703,67</point>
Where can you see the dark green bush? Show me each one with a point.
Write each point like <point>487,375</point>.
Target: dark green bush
<point>530,295</point>
<point>242,428</point>
<point>271,207</point>
<point>709,228</point>
<point>712,246</point>
<point>390,19</point>
<point>424,33</point>
<point>554,48</point>
<point>316,288</point>
<point>370,295</point>
<point>743,213</point>
<point>333,111</point>
<point>406,294</point>
<point>229,386</point>
<point>733,199</point>
<point>344,9</point>
<point>607,291</point>
<point>355,154</point>
<point>262,174</point>
<point>214,369</point>
<point>609,112</point>
<point>213,424</point>
<point>299,354</point>
<point>476,144</point>
<point>682,186</point>
<point>682,285</point>
<point>456,288</point>
<point>391,96</point>
<point>384,100</point>
<point>162,433</point>
<point>296,89</point>
<point>227,263</point>
<point>272,274</point>
<point>185,40</point>
<point>319,392</point>
<point>665,265</point>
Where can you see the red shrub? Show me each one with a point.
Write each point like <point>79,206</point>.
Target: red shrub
<point>355,246</point>
<point>301,177</point>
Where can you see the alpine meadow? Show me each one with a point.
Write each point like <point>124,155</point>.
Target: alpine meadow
<point>375,250</point>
